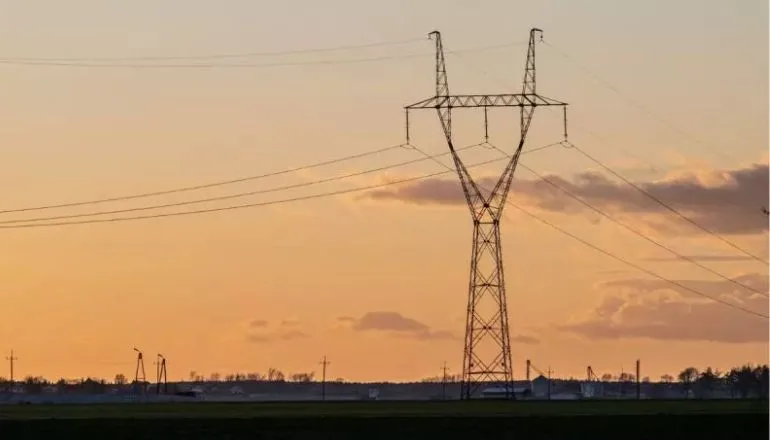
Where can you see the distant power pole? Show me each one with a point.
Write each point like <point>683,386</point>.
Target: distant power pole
<point>11,359</point>
<point>324,363</point>
<point>139,365</point>
<point>549,382</point>
<point>443,383</point>
<point>638,379</point>
<point>160,374</point>
<point>529,365</point>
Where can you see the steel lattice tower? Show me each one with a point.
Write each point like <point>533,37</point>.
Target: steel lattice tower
<point>487,352</point>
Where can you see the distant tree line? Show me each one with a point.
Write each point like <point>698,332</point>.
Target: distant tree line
<point>272,375</point>
<point>743,381</point>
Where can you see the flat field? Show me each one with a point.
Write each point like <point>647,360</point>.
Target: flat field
<point>646,419</point>
<point>382,409</point>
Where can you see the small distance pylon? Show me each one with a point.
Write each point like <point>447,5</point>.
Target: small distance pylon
<point>139,380</point>
<point>160,374</point>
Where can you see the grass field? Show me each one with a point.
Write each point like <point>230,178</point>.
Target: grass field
<point>626,420</point>
<point>382,409</point>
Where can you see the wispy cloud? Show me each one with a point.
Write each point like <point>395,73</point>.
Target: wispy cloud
<point>654,309</point>
<point>395,324</point>
<point>260,330</point>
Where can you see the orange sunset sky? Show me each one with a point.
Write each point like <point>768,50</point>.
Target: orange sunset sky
<point>671,95</point>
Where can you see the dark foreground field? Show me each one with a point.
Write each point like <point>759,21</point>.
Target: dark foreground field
<point>701,419</point>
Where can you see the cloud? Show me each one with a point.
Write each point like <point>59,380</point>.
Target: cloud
<point>277,336</point>
<point>525,339</point>
<point>260,330</point>
<point>724,201</point>
<point>654,309</point>
<point>395,324</point>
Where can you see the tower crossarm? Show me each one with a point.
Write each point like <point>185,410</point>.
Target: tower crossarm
<point>479,101</point>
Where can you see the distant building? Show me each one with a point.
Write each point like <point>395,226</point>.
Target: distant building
<point>540,386</point>
<point>591,390</point>
<point>503,392</point>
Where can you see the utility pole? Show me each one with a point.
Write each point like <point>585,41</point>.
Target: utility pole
<point>549,382</point>
<point>443,383</point>
<point>487,350</point>
<point>529,366</point>
<point>324,363</point>
<point>638,379</point>
<point>11,359</point>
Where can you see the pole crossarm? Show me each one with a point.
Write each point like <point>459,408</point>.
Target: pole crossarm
<point>476,101</point>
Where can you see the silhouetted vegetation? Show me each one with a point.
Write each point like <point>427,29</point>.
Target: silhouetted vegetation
<point>747,381</point>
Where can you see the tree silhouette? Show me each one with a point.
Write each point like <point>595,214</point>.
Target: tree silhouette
<point>707,381</point>
<point>120,379</point>
<point>761,373</point>
<point>687,377</point>
<point>275,375</point>
<point>302,377</point>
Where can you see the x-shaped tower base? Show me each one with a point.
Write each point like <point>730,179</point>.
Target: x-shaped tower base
<point>487,353</point>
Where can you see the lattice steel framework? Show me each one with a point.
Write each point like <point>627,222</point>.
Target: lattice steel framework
<point>487,352</point>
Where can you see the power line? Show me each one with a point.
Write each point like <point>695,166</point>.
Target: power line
<point>667,206</point>
<point>634,102</point>
<point>612,255</point>
<point>258,204</point>
<point>633,230</point>
<point>230,196</point>
<point>237,65</point>
<point>220,56</point>
<point>205,185</point>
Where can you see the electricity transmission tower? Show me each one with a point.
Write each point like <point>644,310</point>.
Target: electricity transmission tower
<point>487,353</point>
<point>160,374</point>
<point>139,381</point>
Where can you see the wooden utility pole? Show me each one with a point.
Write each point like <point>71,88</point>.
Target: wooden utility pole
<point>11,359</point>
<point>638,380</point>
<point>324,363</point>
<point>443,383</point>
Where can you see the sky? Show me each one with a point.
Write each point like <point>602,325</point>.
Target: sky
<point>673,101</point>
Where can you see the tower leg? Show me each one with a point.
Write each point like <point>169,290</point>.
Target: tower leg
<point>487,353</point>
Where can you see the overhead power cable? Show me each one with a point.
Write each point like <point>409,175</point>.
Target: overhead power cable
<point>634,102</point>
<point>631,229</point>
<point>667,206</point>
<point>219,56</point>
<point>250,205</point>
<point>229,196</point>
<point>608,253</point>
<point>6,61</point>
<point>206,185</point>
